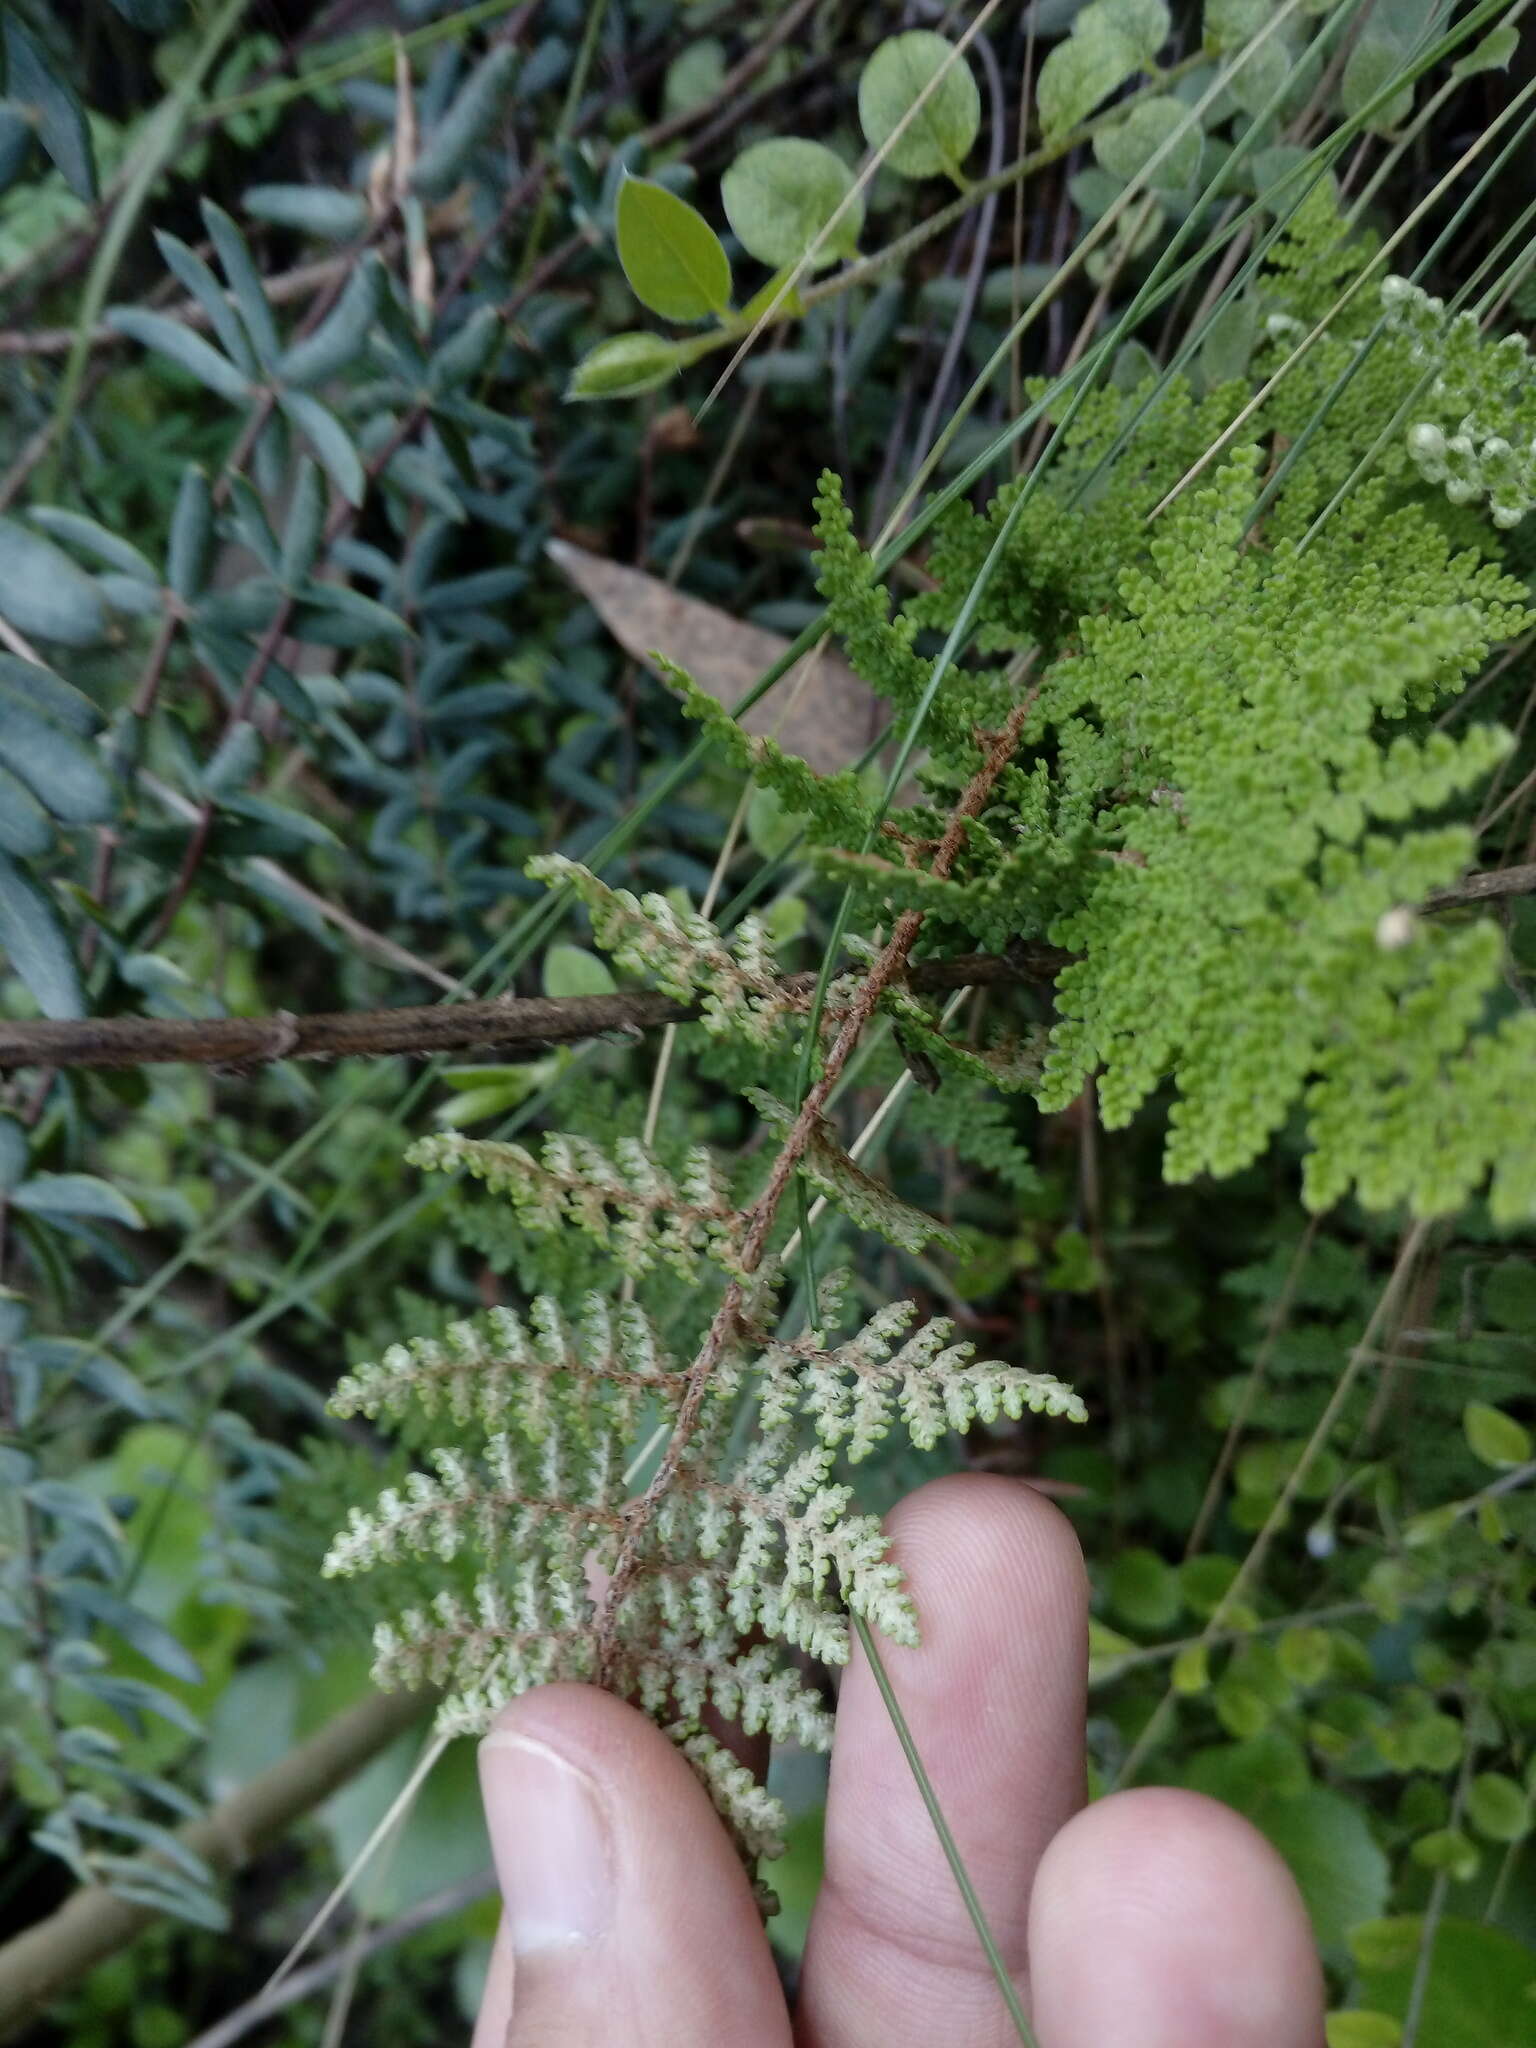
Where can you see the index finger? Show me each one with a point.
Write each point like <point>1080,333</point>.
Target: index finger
<point>995,1699</point>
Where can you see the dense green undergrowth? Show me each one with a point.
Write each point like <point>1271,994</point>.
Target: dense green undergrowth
<point>1203,688</point>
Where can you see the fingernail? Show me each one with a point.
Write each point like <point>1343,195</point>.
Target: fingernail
<point>551,1841</point>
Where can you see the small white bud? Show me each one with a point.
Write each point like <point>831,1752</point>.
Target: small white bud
<point>1426,443</point>
<point>1394,928</point>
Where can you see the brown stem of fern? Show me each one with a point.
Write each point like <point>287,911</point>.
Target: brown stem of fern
<point>725,1327</point>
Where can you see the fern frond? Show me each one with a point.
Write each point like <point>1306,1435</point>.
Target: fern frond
<point>1473,430</point>
<point>854,1392</point>
<point>863,1199</point>
<point>833,806</point>
<point>735,984</point>
<point>626,1201</point>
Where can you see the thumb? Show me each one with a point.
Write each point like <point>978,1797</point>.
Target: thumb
<point>626,1914</point>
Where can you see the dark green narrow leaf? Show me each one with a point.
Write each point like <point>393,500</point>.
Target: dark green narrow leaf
<point>24,824</point>
<point>470,353</point>
<point>340,339</point>
<point>16,138</point>
<point>60,771</point>
<point>187,350</point>
<point>35,948</point>
<point>193,274</point>
<point>244,281</point>
<point>330,441</point>
<point>154,17</point>
<point>310,209</point>
<point>34,80</point>
<point>93,539</point>
<point>305,528</point>
<point>44,594</point>
<point>48,693</point>
<point>76,1194</point>
<point>191,532</point>
<point>466,121</point>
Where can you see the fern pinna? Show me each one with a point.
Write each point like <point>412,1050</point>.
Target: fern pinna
<point>1199,766</point>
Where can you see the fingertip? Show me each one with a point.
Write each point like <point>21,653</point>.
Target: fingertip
<point>626,1911</point>
<point>993,1697</point>
<point>1163,1917</point>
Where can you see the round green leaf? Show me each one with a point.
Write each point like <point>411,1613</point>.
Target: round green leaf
<point>624,366</point>
<point>694,76</point>
<point>1360,2029</point>
<point>939,136</point>
<point>1480,1991</point>
<point>1495,1438</point>
<point>1447,1849</point>
<point>1498,1807</point>
<point>1096,59</point>
<point>1164,125</point>
<point>573,971</point>
<point>780,195</point>
<point>1144,1590</point>
<point>1509,1297</point>
<point>671,255</point>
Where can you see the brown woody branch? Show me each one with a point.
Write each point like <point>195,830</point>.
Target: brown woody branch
<point>1485,887</point>
<point>512,1024</point>
<point>507,1024</point>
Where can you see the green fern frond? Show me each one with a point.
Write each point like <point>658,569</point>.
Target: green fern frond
<point>863,1199</point>
<point>735,984</point>
<point>625,1201</point>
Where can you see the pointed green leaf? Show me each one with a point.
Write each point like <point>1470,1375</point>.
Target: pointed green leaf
<point>193,274</point>
<point>330,441</point>
<point>30,940</point>
<point>1495,1438</point>
<point>181,346</point>
<point>671,255</point>
<point>25,826</point>
<point>342,336</point>
<point>305,526</point>
<point>35,79</point>
<point>309,209</point>
<point>47,693</point>
<point>244,281</point>
<point>780,195</point>
<point>76,1194</point>
<point>59,770</point>
<point>940,135</point>
<point>44,594</point>
<point>625,365</point>
<point>191,533</point>
<point>93,539</point>
<point>466,121</point>
<point>16,138</point>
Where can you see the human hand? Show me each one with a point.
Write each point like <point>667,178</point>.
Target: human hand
<point>1151,1919</point>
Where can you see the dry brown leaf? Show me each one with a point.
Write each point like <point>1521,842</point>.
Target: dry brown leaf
<point>820,710</point>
